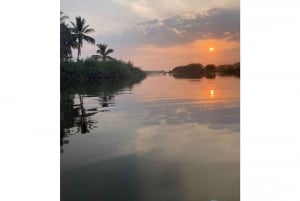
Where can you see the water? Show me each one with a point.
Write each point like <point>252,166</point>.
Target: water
<point>161,139</point>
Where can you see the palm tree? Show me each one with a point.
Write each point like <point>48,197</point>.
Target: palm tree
<point>67,40</point>
<point>104,52</point>
<point>79,29</point>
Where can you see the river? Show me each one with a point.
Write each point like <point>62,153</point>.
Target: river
<point>162,139</point>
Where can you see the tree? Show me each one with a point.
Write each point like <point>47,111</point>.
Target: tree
<point>104,52</point>
<point>67,40</point>
<point>63,17</point>
<point>210,68</point>
<point>80,30</point>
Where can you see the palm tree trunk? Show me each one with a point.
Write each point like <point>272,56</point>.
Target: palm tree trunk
<point>78,52</point>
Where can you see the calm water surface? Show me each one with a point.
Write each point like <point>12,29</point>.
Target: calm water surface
<point>162,139</point>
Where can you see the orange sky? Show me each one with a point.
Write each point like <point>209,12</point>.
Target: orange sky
<point>160,35</point>
<point>165,58</point>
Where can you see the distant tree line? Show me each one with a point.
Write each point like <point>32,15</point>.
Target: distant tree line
<point>197,69</point>
<point>229,69</point>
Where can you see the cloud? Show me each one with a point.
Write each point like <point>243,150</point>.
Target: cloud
<point>216,23</point>
<point>104,16</point>
<point>162,9</point>
<point>142,30</point>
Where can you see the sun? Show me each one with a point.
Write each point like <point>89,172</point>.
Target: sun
<point>211,49</point>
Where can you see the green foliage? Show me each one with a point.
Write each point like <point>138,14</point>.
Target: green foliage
<point>91,69</point>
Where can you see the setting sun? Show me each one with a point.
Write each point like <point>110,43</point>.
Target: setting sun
<point>211,49</point>
<point>212,92</point>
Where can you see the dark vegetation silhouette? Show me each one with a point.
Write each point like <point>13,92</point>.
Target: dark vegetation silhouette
<point>210,68</point>
<point>229,69</point>
<point>93,70</point>
<point>103,52</point>
<point>188,70</point>
<point>67,39</point>
<point>100,66</point>
<point>80,30</point>
<point>209,71</point>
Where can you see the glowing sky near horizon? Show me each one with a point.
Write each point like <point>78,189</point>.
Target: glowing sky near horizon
<point>159,35</point>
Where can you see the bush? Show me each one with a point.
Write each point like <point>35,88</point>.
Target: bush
<point>210,68</point>
<point>91,69</point>
<point>192,69</point>
<point>229,69</point>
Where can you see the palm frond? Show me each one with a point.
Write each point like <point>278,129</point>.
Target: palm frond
<point>88,31</point>
<point>88,39</point>
<point>103,48</point>
<point>74,27</point>
<point>63,17</point>
<point>104,51</point>
<point>109,51</point>
<point>96,56</point>
<point>99,46</point>
<point>85,27</point>
<point>79,23</point>
<point>82,22</point>
<point>111,58</point>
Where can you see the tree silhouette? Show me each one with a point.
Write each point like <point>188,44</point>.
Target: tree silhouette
<point>80,30</point>
<point>210,68</point>
<point>67,40</point>
<point>63,17</point>
<point>104,52</point>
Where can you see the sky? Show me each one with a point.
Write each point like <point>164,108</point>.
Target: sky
<point>160,35</point>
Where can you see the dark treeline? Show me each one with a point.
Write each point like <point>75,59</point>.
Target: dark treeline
<point>97,67</point>
<point>229,69</point>
<point>92,70</point>
<point>198,70</point>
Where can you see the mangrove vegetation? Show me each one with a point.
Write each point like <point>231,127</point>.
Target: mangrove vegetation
<point>92,70</point>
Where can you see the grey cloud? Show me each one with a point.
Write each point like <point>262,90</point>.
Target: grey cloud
<point>215,23</point>
<point>161,9</point>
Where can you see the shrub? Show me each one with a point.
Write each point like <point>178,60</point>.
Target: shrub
<point>91,69</point>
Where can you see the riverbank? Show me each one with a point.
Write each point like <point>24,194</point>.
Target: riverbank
<point>92,70</point>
